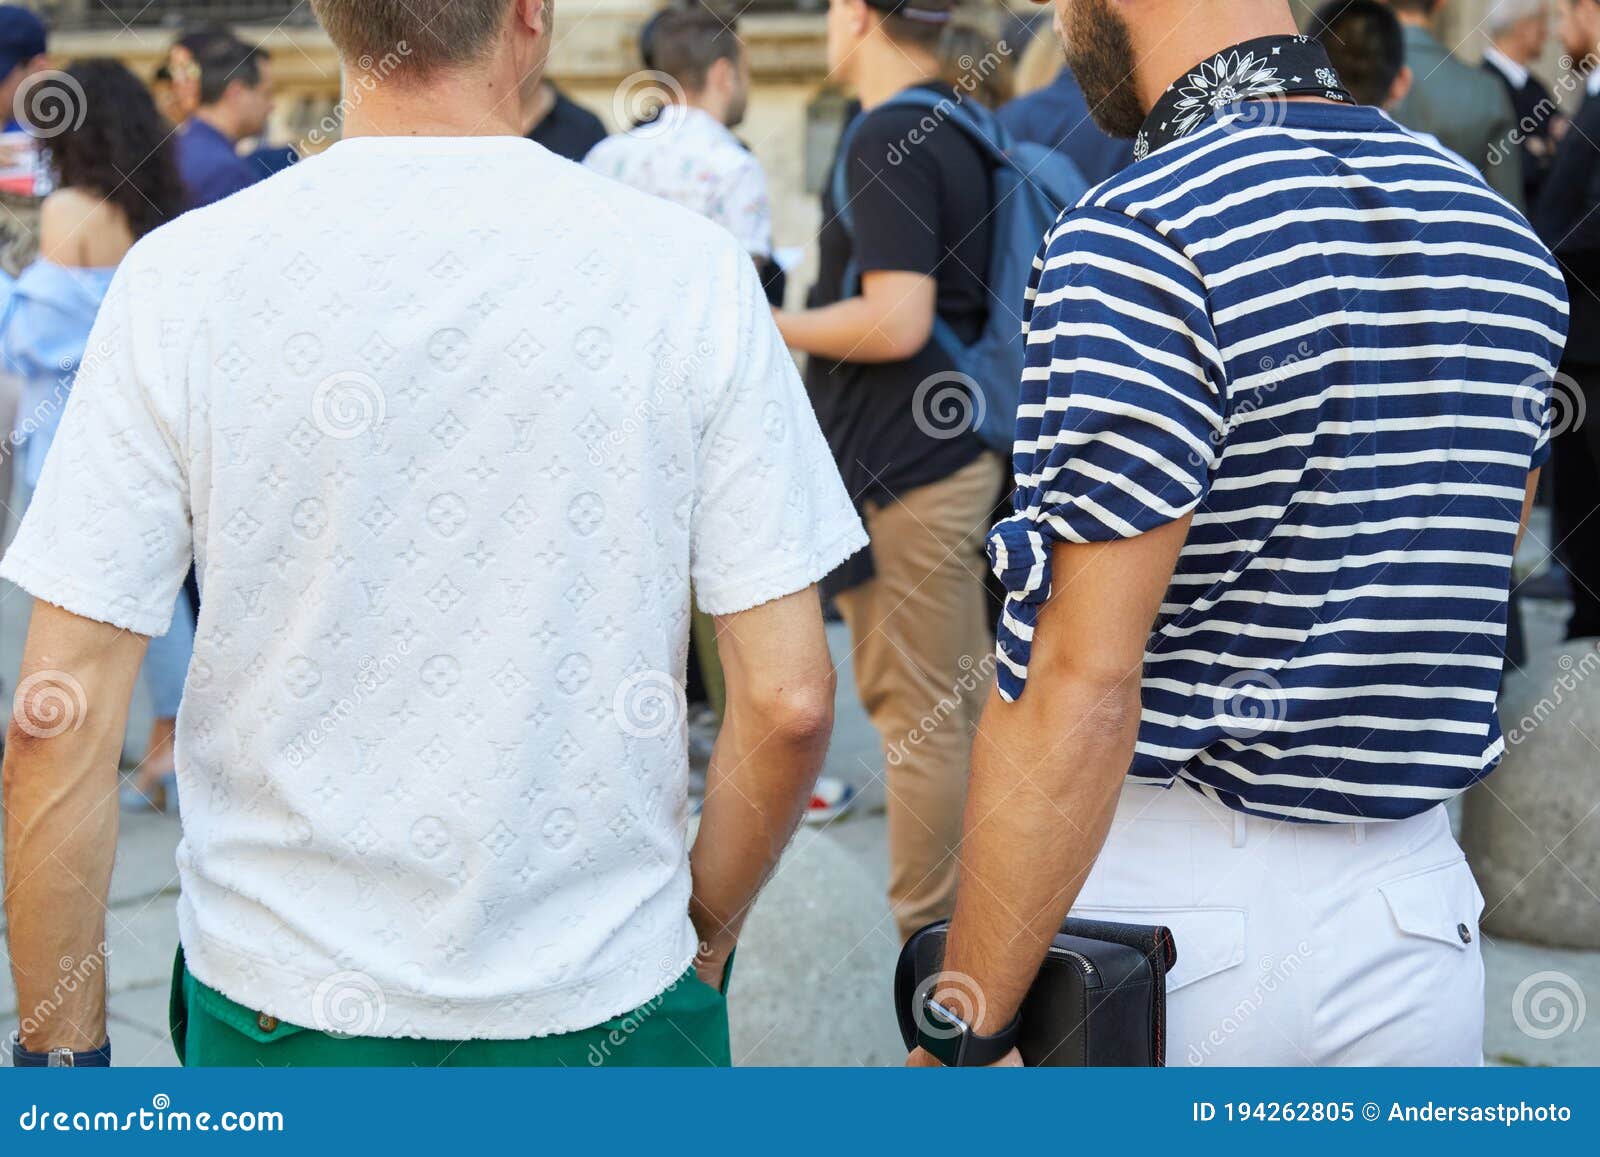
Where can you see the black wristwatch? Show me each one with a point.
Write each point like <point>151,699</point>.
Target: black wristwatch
<point>951,1041</point>
<point>21,1058</point>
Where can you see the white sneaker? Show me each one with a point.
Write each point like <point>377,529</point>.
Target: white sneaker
<point>830,799</point>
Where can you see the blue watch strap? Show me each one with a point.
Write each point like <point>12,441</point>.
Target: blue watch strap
<point>21,1058</point>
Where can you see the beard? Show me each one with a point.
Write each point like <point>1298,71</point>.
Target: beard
<point>1099,50</point>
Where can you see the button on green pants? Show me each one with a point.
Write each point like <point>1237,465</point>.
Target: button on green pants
<point>686,1026</point>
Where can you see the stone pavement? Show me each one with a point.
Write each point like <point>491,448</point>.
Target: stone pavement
<point>814,972</point>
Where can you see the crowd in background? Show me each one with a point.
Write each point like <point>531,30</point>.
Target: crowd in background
<point>919,604</point>
<point>1258,423</point>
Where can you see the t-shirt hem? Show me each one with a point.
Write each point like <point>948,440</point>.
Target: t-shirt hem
<point>749,593</point>
<point>77,598</point>
<point>244,977</point>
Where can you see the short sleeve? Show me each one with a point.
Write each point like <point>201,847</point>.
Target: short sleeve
<point>1122,412</point>
<point>107,535</point>
<point>1558,396</point>
<point>894,197</point>
<point>771,516</point>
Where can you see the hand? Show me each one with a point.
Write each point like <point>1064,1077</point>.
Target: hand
<point>711,962</point>
<point>922,1059</point>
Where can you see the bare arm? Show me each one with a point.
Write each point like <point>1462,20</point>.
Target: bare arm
<point>1047,769</point>
<point>779,719</point>
<point>1527,507</point>
<point>890,321</point>
<point>60,792</point>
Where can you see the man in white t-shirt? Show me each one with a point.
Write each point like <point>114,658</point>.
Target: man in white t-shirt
<point>447,424</point>
<point>686,153</point>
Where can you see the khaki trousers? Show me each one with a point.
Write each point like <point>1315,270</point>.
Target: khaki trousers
<point>923,667</point>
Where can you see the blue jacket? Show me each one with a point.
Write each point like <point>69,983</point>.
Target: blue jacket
<point>210,166</point>
<point>45,318</point>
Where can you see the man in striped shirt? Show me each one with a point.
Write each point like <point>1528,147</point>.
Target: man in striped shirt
<point>1283,415</point>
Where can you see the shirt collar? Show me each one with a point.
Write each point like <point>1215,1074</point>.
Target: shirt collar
<point>1269,66</point>
<point>1506,67</point>
<point>1591,83</point>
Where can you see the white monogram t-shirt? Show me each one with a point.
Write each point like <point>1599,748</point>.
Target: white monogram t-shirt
<point>449,426</point>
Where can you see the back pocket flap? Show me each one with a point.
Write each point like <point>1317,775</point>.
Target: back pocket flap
<point>1441,903</point>
<point>1209,940</point>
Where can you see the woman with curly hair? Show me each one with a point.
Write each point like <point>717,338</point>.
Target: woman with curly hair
<point>115,179</point>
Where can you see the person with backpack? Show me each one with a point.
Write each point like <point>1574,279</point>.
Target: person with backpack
<point>907,380</point>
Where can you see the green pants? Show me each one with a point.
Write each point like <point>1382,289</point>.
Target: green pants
<point>686,1026</point>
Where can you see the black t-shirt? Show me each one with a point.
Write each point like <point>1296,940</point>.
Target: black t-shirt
<point>920,198</point>
<point>568,130</point>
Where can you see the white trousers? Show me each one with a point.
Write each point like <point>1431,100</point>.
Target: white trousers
<point>1350,944</point>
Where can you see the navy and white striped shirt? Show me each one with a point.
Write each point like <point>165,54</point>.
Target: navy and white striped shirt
<point>1334,345</point>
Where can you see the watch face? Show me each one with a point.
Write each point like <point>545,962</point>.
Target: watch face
<point>941,1032</point>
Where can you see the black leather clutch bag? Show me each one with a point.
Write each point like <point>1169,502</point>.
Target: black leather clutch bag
<point>1100,998</point>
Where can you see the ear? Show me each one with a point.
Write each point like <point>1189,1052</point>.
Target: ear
<point>860,16</point>
<point>1401,87</point>
<point>721,76</point>
<point>531,15</point>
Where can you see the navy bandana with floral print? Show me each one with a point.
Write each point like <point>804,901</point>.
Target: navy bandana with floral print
<point>1271,67</point>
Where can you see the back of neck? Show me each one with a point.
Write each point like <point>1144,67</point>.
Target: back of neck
<point>216,119</point>
<point>444,107</point>
<point>884,68</point>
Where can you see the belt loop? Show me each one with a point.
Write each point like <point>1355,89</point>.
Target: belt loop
<point>1240,828</point>
<point>1358,833</point>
